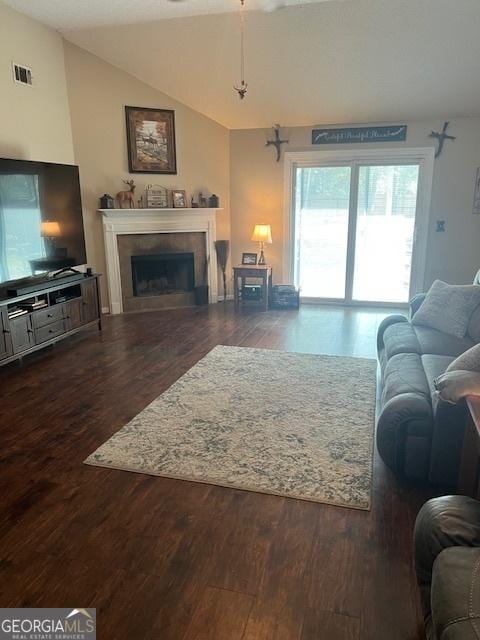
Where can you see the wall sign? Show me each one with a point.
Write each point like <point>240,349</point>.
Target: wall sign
<point>395,133</point>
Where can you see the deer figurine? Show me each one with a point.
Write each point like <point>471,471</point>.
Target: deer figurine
<point>126,196</point>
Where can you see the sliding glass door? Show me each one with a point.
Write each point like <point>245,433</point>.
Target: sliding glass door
<point>354,226</point>
<point>322,197</point>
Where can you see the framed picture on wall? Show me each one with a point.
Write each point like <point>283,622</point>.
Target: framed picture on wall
<point>151,140</point>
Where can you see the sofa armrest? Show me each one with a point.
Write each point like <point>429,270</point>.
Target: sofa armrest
<point>415,303</point>
<point>455,597</point>
<point>385,323</point>
<point>404,431</point>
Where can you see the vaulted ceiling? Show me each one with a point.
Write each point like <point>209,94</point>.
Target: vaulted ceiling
<point>323,62</point>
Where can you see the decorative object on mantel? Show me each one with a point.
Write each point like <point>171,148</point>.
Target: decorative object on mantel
<point>441,137</point>
<point>156,197</point>
<point>127,197</point>
<point>202,201</point>
<point>222,247</point>
<point>262,234</point>
<point>151,140</point>
<point>277,142</point>
<point>213,202</point>
<point>193,203</point>
<point>348,135</point>
<point>241,88</point>
<point>107,202</point>
<point>179,199</point>
<point>476,195</point>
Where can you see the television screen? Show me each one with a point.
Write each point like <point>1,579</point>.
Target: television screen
<point>41,221</point>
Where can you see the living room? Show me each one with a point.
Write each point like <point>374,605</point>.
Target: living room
<point>238,360</point>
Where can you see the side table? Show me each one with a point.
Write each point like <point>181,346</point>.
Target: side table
<point>242,272</point>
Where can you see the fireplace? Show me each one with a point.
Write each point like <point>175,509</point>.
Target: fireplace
<point>162,274</point>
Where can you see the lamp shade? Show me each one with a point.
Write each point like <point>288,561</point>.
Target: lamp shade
<point>262,233</point>
<point>50,229</point>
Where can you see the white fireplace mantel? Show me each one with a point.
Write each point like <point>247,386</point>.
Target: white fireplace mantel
<point>132,221</point>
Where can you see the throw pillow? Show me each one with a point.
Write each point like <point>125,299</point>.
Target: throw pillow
<point>448,307</point>
<point>455,385</point>
<point>467,361</point>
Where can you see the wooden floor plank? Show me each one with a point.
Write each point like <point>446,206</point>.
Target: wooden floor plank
<point>219,615</point>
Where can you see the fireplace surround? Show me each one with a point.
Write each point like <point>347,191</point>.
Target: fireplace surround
<point>162,230</point>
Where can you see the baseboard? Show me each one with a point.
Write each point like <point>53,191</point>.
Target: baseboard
<point>222,298</point>
<point>105,310</point>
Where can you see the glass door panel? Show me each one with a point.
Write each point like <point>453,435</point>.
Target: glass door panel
<point>385,225</point>
<point>322,197</point>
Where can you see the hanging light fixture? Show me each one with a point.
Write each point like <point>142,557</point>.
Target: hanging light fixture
<point>241,88</point>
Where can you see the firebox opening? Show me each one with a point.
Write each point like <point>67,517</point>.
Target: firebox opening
<point>160,274</point>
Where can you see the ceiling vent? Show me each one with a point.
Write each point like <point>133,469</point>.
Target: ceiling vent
<point>22,74</point>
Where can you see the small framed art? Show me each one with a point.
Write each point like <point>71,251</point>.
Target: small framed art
<point>249,258</point>
<point>179,198</point>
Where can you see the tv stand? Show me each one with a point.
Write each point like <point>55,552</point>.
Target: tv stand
<point>42,317</point>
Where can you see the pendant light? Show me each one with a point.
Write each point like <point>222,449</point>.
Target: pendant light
<point>241,88</point>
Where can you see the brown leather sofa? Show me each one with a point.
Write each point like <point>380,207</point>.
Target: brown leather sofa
<point>447,562</point>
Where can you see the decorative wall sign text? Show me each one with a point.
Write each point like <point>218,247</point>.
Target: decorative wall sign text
<point>395,133</point>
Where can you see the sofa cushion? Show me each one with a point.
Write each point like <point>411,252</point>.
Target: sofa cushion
<point>448,307</point>
<point>434,366</point>
<point>439,343</point>
<point>400,338</point>
<point>455,594</point>
<point>404,374</point>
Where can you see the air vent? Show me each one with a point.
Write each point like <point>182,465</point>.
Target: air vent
<point>22,75</point>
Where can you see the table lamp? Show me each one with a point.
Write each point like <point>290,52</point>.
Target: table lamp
<point>262,233</point>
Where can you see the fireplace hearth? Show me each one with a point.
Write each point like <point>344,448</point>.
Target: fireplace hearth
<point>162,274</point>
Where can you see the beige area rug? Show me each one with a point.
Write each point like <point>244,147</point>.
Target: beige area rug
<point>290,424</point>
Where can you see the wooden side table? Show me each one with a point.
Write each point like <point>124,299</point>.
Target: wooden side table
<point>262,272</point>
<point>469,474</point>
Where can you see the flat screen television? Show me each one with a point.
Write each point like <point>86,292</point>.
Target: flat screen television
<point>41,221</point>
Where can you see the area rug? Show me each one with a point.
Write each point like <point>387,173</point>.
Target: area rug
<point>290,424</point>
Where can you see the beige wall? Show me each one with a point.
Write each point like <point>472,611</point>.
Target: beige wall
<point>34,121</point>
<point>98,93</point>
<point>256,191</point>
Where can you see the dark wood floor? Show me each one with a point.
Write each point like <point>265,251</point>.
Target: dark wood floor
<point>170,560</point>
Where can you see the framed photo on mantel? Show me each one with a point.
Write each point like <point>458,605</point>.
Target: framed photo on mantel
<point>151,140</point>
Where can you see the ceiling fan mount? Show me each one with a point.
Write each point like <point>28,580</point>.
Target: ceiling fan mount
<point>270,5</point>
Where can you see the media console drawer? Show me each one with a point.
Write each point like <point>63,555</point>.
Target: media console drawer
<point>47,316</point>
<point>50,331</point>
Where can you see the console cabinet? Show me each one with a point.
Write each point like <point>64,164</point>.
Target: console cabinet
<point>31,322</point>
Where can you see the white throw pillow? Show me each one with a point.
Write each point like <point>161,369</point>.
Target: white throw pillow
<point>448,307</point>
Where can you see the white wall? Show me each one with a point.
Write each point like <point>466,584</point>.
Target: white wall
<point>34,121</point>
<point>256,191</point>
